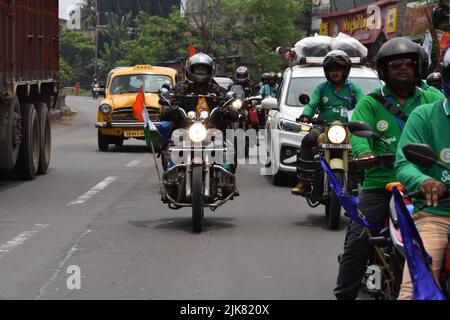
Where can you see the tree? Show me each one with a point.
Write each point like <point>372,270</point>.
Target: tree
<point>88,15</point>
<point>77,50</point>
<point>65,73</point>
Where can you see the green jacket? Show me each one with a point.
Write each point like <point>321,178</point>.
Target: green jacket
<point>428,124</point>
<point>332,105</point>
<point>425,86</point>
<point>387,126</point>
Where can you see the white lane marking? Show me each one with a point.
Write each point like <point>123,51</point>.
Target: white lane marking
<point>133,163</point>
<point>20,239</point>
<point>60,265</point>
<point>96,189</point>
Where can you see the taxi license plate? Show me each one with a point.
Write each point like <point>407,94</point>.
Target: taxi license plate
<point>133,133</point>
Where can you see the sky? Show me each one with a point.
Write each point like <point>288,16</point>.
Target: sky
<point>64,5</point>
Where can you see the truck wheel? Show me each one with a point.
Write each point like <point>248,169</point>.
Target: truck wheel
<point>9,133</point>
<point>103,142</point>
<point>45,137</point>
<point>28,163</point>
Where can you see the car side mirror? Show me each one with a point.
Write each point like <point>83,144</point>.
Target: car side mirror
<point>270,104</point>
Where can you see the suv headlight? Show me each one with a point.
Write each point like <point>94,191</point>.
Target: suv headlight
<point>197,132</point>
<point>105,108</point>
<point>337,134</point>
<point>290,126</point>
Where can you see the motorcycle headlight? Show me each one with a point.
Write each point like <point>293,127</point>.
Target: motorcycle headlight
<point>105,108</point>
<point>237,104</point>
<point>204,115</point>
<point>337,134</point>
<point>191,115</point>
<point>197,132</point>
<point>290,126</point>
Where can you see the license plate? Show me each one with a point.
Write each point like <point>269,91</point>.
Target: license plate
<point>335,146</point>
<point>133,133</point>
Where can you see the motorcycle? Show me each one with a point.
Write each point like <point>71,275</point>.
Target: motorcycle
<point>251,114</point>
<point>95,91</point>
<point>384,269</point>
<point>198,181</point>
<point>334,147</point>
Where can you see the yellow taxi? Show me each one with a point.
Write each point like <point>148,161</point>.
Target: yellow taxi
<point>115,115</point>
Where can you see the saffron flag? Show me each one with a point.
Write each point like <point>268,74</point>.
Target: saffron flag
<point>419,261</point>
<point>348,202</point>
<point>152,136</point>
<point>191,50</point>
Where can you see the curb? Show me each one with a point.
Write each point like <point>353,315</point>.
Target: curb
<point>58,113</point>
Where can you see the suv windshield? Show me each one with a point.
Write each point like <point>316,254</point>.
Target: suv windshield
<point>132,83</point>
<point>305,85</point>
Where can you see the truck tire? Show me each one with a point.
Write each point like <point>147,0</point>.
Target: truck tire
<point>45,137</point>
<point>9,133</point>
<point>28,163</point>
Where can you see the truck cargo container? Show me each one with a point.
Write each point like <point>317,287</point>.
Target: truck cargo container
<point>29,63</point>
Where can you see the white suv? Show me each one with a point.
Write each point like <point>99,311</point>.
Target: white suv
<point>282,132</point>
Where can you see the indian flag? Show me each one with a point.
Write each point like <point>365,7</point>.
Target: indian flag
<point>152,136</point>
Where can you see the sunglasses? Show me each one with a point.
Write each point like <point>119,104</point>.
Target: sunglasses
<point>402,63</point>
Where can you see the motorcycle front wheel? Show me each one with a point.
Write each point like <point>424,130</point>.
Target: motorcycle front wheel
<point>333,206</point>
<point>197,198</point>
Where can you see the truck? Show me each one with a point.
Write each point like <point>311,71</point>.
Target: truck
<point>29,64</point>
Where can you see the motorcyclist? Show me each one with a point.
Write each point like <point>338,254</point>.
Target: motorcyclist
<point>94,85</point>
<point>242,78</point>
<point>270,89</point>
<point>332,99</point>
<point>386,110</point>
<point>428,124</point>
<point>435,80</point>
<point>422,82</point>
<point>199,73</point>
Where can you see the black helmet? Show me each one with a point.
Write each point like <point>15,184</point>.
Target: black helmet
<point>445,72</point>
<point>273,76</point>
<point>435,80</point>
<point>242,74</point>
<point>265,77</point>
<point>337,58</point>
<point>424,62</point>
<point>393,49</point>
<point>200,59</point>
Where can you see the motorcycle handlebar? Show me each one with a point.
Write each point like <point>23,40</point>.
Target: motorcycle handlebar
<point>418,194</point>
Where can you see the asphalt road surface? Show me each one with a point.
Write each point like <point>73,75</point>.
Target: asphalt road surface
<point>99,215</point>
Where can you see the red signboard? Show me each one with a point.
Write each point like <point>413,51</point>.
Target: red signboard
<point>363,24</point>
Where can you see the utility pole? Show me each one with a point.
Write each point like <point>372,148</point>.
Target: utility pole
<point>96,38</point>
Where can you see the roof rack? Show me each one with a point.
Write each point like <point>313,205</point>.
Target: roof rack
<point>319,60</point>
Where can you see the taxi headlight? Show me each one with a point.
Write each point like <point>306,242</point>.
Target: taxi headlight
<point>197,132</point>
<point>105,108</point>
<point>337,134</point>
<point>237,104</point>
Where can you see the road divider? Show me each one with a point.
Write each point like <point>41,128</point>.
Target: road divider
<point>20,239</point>
<point>96,189</point>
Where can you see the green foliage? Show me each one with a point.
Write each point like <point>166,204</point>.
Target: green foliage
<point>249,28</point>
<point>78,51</point>
<point>65,73</point>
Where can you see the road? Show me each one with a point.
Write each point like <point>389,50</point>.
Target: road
<point>101,213</point>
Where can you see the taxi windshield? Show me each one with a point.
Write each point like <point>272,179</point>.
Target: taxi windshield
<point>132,83</point>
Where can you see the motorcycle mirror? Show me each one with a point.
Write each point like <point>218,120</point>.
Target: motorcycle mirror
<point>355,126</point>
<point>363,133</point>
<point>420,154</point>
<point>304,99</point>
<point>166,85</point>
